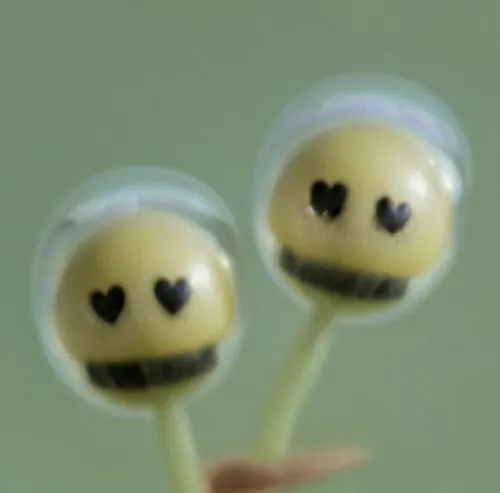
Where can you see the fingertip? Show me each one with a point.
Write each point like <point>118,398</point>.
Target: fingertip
<point>348,457</point>
<point>317,463</point>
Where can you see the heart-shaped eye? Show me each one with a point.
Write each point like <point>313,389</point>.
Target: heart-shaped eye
<point>327,201</point>
<point>392,217</point>
<point>108,306</point>
<point>172,296</point>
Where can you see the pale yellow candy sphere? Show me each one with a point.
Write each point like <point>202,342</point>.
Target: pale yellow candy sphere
<point>142,305</point>
<point>358,212</point>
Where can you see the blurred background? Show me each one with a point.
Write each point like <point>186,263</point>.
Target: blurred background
<point>91,85</point>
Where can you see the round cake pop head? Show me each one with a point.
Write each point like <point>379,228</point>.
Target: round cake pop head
<point>142,305</point>
<point>359,212</point>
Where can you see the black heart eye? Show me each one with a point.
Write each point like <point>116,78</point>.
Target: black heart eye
<point>108,306</point>
<point>173,297</point>
<point>392,217</point>
<point>327,201</point>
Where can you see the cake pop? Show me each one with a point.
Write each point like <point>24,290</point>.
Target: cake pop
<point>358,194</point>
<point>136,295</point>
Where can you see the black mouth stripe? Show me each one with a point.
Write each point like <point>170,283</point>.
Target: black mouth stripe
<point>150,373</point>
<point>357,285</point>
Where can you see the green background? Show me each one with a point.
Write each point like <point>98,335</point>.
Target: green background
<point>96,84</point>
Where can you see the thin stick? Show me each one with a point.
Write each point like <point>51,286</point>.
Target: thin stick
<point>294,383</point>
<point>179,448</point>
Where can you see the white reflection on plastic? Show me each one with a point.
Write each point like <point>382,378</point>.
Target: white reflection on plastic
<point>115,193</point>
<point>367,98</point>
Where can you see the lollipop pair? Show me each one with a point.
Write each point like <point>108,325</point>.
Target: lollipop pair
<point>137,281</point>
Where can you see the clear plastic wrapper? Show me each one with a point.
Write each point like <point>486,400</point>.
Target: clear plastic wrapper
<point>359,193</point>
<point>136,288</point>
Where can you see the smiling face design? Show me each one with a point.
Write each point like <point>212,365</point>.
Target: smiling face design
<point>358,213</point>
<point>143,304</point>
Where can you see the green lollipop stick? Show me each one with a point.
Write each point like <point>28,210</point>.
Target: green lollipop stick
<point>179,448</point>
<point>295,381</point>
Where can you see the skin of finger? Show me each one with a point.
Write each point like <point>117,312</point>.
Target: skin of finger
<point>315,465</point>
<point>235,475</point>
<point>240,474</point>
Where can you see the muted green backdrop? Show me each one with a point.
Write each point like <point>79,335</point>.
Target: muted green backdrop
<point>95,84</point>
